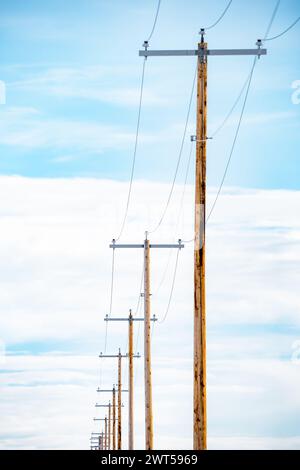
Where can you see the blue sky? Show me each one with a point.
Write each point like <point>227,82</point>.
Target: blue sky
<point>74,70</point>
<point>72,76</point>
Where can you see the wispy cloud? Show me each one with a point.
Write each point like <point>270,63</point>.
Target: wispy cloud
<point>90,83</point>
<point>26,127</point>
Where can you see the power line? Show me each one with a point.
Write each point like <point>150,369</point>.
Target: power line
<point>178,219</point>
<point>179,157</point>
<point>112,281</point>
<point>220,127</point>
<point>234,141</point>
<point>130,184</point>
<point>140,290</point>
<point>152,332</point>
<point>111,296</point>
<point>185,182</point>
<point>219,19</point>
<point>136,348</point>
<point>137,127</point>
<point>135,149</point>
<point>272,19</point>
<point>155,21</point>
<point>283,32</point>
<point>172,289</point>
<point>241,116</point>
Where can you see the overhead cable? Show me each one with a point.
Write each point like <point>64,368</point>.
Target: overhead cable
<point>220,18</point>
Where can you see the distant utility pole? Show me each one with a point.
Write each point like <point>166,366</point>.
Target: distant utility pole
<point>97,437</point>
<point>114,417</point>
<point>119,356</point>
<point>147,320</point>
<point>113,412</point>
<point>103,419</point>
<point>131,356</point>
<point>105,439</point>
<point>202,53</point>
<point>109,425</point>
<point>96,442</point>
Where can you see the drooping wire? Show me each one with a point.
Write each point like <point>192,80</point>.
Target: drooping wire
<point>179,157</point>
<point>140,289</point>
<point>220,127</point>
<point>155,20</point>
<point>131,181</point>
<point>138,302</point>
<point>185,182</point>
<point>110,310</point>
<point>172,289</point>
<point>178,220</point>
<point>135,150</point>
<point>137,344</point>
<point>112,281</point>
<point>234,142</point>
<point>111,296</point>
<point>152,332</point>
<point>138,333</point>
<point>283,32</point>
<point>272,20</point>
<point>241,117</point>
<point>220,18</point>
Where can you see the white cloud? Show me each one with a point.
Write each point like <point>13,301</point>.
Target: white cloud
<point>55,272</point>
<point>91,83</point>
<point>26,127</point>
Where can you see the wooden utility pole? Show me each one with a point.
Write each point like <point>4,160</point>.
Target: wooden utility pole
<point>96,441</point>
<point>147,350</point>
<point>119,356</point>
<point>111,411</point>
<point>114,418</point>
<point>199,259</point>
<point>109,425</point>
<point>202,53</point>
<point>130,383</point>
<point>130,319</point>
<point>147,331</point>
<point>119,401</point>
<point>105,439</point>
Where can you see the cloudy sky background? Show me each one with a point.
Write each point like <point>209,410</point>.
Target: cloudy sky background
<point>66,137</point>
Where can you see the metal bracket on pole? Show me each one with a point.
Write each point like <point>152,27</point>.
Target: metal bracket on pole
<point>194,139</point>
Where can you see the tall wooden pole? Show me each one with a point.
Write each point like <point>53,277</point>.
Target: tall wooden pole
<point>114,419</point>
<point>130,383</point>
<point>147,350</point>
<point>105,439</point>
<point>120,401</point>
<point>199,260</point>
<point>109,426</point>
